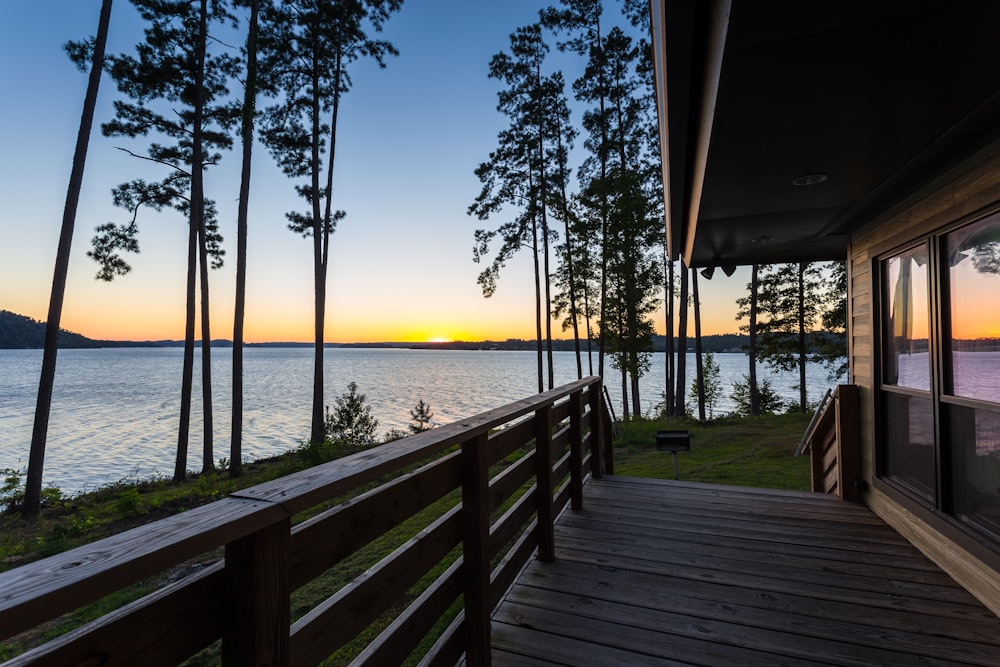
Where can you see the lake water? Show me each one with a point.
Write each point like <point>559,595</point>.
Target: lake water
<point>115,410</point>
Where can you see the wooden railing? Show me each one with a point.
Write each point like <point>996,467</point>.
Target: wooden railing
<point>834,446</point>
<point>244,598</point>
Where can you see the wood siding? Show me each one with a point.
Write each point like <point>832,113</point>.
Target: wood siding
<point>962,191</point>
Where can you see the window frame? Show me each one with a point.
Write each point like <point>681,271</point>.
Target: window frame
<point>939,511</point>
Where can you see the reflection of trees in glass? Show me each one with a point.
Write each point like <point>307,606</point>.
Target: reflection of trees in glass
<point>986,257</point>
<point>980,241</point>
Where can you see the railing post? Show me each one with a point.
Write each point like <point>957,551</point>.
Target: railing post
<point>609,445</point>
<point>848,444</point>
<point>257,605</point>
<point>476,550</point>
<point>596,431</point>
<point>576,449</point>
<point>544,487</point>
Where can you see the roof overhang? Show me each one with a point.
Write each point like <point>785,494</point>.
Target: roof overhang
<point>871,99</point>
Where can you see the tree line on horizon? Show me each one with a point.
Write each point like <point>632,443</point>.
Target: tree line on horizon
<point>176,92</point>
<point>604,232</point>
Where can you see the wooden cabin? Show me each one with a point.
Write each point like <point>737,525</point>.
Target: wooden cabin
<point>865,131</point>
<point>858,130</point>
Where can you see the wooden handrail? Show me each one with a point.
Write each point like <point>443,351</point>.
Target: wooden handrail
<point>244,599</point>
<point>833,441</point>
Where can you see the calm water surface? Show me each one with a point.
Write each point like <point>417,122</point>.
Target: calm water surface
<point>114,411</point>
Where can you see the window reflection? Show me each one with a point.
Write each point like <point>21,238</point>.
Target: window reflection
<point>974,293</point>
<point>906,359</point>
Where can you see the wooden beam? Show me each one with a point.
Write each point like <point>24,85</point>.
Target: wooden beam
<point>715,48</point>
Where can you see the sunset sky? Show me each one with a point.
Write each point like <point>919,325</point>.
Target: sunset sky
<point>409,139</point>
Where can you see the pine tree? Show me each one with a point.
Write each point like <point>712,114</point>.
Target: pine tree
<point>524,171</point>
<point>319,40</point>
<point>788,300</point>
<point>699,381</point>
<point>581,21</point>
<point>747,308</point>
<point>247,122</point>
<point>177,90</point>
<point>79,53</point>
<point>830,346</point>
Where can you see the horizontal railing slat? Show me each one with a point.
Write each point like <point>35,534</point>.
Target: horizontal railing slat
<point>509,440</point>
<point>561,410</point>
<point>336,621</point>
<point>189,611</point>
<point>449,647</point>
<point>511,479</point>
<point>507,526</point>
<point>36,592</point>
<point>326,539</point>
<point>307,488</point>
<point>397,641</point>
<point>507,569</point>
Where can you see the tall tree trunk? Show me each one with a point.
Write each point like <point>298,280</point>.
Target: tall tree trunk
<point>39,433</point>
<point>632,327</point>
<point>625,412</point>
<point>548,297</point>
<point>542,204</point>
<point>317,429</point>
<point>699,365</point>
<point>681,344</point>
<point>249,104</point>
<point>327,230</point>
<point>187,372</point>
<point>564,199</point>
<point>538,302</point>
<point>634,377</point>
<point>198,209</point>
<point>538,283</point>
<point>802,336</point>
<point>754,390</point>
<point>195,235</point>
<point>605,207</point>
<point>590,333</point>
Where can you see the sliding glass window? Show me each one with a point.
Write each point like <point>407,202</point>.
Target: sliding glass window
<point>971,396</point>
<point>907,408</point>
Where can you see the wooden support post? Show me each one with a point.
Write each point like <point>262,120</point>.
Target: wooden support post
<point>609,446</point>
<point>597,434</point>
<point>476,550</point>
<point>576,450</point>
<point>257,605</point>
<point>848,443</point>
<point>543,472</point>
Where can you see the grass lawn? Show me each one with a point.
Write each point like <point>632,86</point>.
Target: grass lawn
<point>743,451</point>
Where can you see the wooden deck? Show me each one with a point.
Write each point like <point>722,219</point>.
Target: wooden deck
<point>672,573</point>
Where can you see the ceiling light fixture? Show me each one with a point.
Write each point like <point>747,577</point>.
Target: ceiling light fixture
<point>810,179</point>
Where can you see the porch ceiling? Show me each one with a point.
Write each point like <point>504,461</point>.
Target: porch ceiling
<point>878,95</point>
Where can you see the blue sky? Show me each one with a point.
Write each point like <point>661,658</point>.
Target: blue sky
<point>409,139</point>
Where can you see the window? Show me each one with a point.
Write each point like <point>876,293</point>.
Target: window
<point>939,398</point>
<point>906,371</point>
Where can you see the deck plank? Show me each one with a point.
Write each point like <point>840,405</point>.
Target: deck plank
<point>664,572</point>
